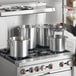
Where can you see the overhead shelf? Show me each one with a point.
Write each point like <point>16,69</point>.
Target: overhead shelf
<point>24,8</point>
<point>21,12</point>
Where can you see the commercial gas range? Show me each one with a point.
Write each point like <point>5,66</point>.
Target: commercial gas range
<point>40,62</point>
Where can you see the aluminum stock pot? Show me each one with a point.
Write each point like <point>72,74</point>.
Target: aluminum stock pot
<point>24,31</point>
<point>28,32</point>
<point>57,43</point>
<point>43,35</point>
<point>33,36</point>
<point>18,47</point>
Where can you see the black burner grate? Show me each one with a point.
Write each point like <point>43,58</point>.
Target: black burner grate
<point>37,52</point>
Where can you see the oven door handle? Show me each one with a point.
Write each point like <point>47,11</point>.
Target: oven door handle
<point>45,74</point>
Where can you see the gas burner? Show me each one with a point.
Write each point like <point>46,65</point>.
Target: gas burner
<point>43,53</point>
<point>34,53</point>
<point>4,51</point>
<point>39,52</point>
<point>57,52</point>
<point>19,58</point>
<point>44,47</point>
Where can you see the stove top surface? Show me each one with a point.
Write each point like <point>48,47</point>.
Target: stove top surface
<point>43,52</point>
<point>34,53</point>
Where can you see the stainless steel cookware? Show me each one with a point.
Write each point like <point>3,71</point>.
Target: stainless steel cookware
<point>33,36</point>
<point>57,43</point>
<point>18,47</point>
<point>57,40</point>
<point>57,30</point>
<point>28,32</point>
<point>43,35</point>
<point>24,31</point>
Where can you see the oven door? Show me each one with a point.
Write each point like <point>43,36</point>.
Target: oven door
<point>63,73</point>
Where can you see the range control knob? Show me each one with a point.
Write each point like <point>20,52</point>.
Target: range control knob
<point>42,67</point>
<point>69,63</point>
<point>31,70</point>
<point>50,66</point>
<point>36,69</point>
<point>61,64</point>
<point>23,71</point>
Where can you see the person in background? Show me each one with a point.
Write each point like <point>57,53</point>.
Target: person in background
<point>70,28</point>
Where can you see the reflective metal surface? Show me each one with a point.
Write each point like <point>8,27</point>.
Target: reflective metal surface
<point>57,44</point>
<point>18,47</point>
<point>28,32</point>
<point>57,40</point>
<point>43,35</point>
<point>24,31</point>
<point>33,36</point>
<point>23,67</point>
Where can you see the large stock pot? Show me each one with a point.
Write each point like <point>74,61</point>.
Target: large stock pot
<point>18,47</point>
<point>28,32</point>
<point>43,33</point>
